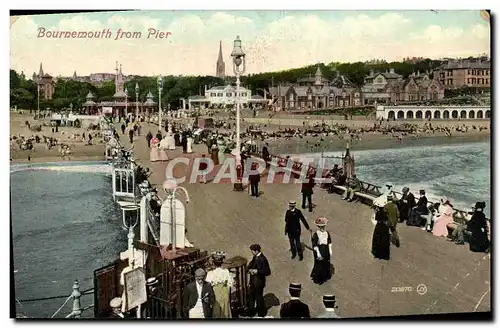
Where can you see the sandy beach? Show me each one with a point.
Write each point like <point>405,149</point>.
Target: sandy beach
<point>79,150</point>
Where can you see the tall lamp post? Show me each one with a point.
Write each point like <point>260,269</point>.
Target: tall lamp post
<point>137,102</point>
<point>160,87</point>
<point>126,102</point>
<point>238,69</point>
<point>38,99</point>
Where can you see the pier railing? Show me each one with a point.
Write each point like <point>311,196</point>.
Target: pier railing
<point>75,296</point>
<point>367,188</point>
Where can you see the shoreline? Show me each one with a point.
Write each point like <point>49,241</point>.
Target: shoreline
<point>373,142</point>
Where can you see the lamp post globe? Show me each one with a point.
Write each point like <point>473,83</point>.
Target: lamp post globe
<point>238,56</point>
<point>137,102</point>
<point>160,87</point>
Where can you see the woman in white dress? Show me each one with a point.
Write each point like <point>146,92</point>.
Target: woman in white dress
<point>189,144</point>
<point>162,152</point>
<point>222,281</point>
<point>387,190</point>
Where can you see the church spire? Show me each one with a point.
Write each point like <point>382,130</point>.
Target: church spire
<point>220,66</point>
<point>220,59</point>
<point>40,72</point>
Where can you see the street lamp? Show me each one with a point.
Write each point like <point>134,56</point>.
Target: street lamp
<point>160,87</point>
<point>38,99</point>
<point>238,69</point>
<point>126,102</point>
<point>137,102</point>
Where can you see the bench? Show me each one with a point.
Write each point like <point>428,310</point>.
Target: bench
<point>363,197</point>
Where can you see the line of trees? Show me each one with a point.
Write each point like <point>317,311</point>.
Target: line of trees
<point>23,92</point>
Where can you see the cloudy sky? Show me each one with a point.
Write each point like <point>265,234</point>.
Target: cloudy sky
<point>273,40</point>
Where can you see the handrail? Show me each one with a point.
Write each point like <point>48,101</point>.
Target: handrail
<point>370,188</point>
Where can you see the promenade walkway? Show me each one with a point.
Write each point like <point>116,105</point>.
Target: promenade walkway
<point>219,218</point>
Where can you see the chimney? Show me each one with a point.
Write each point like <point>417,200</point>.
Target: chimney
<point>391,70</point>
<point>371,72</point>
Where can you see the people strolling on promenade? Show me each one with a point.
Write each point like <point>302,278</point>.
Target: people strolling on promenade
<point>222,282</point>
<point>307,192</point>
<point>293,218</point>
<point>198,297</point>
<point>393,218</point>
<point>381,240</point>
<point>294,308</point>
<point>330,306</point>
<point>322,249</point>
<point>259,269</point>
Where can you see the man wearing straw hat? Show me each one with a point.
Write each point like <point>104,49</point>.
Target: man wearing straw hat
<point>293,217</point>
<point>393,214</point>
<point>294,308</point>
<point>330,306</point>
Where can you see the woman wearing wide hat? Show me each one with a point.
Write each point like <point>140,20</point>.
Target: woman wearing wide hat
<point>322,249</point>
<point>222,281</point>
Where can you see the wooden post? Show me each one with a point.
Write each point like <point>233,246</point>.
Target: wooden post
<point>77,305</point>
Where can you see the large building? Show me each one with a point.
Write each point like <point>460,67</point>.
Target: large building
<point>225,97</point>
<point>45,84</point>
<point>474,73</point>
<point>220,70</point>
<point>121,103</point>
<point>316,92</point>
<point>391,88</point>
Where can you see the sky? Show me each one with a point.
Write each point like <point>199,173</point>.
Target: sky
<point>272,40</point>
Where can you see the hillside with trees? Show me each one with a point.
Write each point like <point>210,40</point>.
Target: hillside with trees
<point>23,92</point>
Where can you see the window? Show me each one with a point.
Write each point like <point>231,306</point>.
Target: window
<point>468,81</point>
<point>291,97</point>
<point>229,94</point>
<point>449,81</point>
<point>213,94</point>
<point>309,97</point>
<point>487,81</point>
<point>468,72</point>
<point>487,72</point>
<point>243,94</point>
<point>219,95</point>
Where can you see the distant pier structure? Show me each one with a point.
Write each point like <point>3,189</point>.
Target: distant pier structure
<point>433,112</point>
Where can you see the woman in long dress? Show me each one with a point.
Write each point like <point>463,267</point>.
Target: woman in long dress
<point>154,153</point>
<point>322,249</point>
<point>222,281</point>
<point>381,241</point>
<point>444,217</point>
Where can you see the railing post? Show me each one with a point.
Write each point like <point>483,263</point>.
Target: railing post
<point>77,305</point>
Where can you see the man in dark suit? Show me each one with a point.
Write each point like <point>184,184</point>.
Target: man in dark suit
<point>294,308</point>
<point>254,179</point>
<point>198,297</point>
<point>307,192</point>
<point>418,210</point>
<point>405,204</point>
<point>265,153</point>
<point>259,269</point>
<point>293,217</point>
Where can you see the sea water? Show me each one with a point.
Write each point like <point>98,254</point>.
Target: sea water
<point>65,225</point>
<point>459,172</point>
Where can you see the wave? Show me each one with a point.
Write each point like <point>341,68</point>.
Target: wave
<point>92,168</point>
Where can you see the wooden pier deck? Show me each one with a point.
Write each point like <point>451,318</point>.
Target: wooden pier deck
<point>219,218</point>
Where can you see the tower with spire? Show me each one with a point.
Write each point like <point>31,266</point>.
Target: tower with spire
<point>318,78</point>
<point>221,65</point>
<point>45,83</point>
